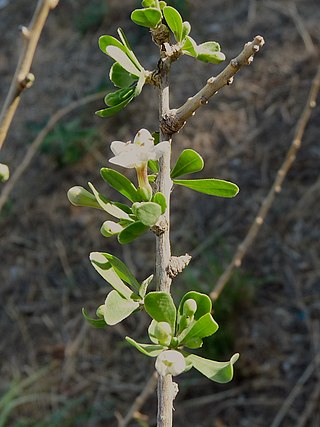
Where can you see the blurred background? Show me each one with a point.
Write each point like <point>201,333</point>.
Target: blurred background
<point>58,371</point>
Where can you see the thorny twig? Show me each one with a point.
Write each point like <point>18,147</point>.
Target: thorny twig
<point>276,188</point>
<point>34,146</point>
<point>175,119</point>
<point>22,78</point>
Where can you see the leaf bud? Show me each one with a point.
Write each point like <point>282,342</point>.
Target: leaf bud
<point>162,332</point>
<point>4,172</point>
<point>79,196</point>
<point>189,307</point>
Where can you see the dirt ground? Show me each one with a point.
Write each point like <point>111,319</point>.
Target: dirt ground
<point>57,371</point>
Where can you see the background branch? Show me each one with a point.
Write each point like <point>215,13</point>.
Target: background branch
<point>34,146</point>
<point>22,78</point>
<point>276,188</point>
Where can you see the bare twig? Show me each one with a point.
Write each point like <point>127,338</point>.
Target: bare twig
<point>276,188</point>
<point>310,408</point>
<point>294,392</point>
<point>292,11</point>
<point>22,78</point>
<point>34,146</point>
<point>174,120</point>
<point>140,400</point>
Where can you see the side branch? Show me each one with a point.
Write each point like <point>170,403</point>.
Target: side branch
<point>175,119</point>
<point>22,78</point>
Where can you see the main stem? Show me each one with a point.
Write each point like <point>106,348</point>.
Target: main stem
<point>163,251</point>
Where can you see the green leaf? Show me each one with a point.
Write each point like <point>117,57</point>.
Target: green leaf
<point>4,173</point>
<point>128,49</point>
<point>220,372</point>
<point>149,3</point>
<point>160,306</point>
<point>153,165</point>
<point>161,200</point>
<point>118,55</point>
<point>149,18</point>
<point>211,186</point>
<point>201,328</point>
<point>174,21</point>
<point>79,196</point>
<point>131,232</point>
<point>110,228</point>
<point>190,47</point>
<point>189,161</point>
<point>97,323</point>
<point>144,286</point>
<point>123,207</point>
<point>117,308</point>
<point>113,99</point>
<point>150,350</point>
<point>106,41</point>
<point>105,269</point>
<point>120,77</point>
<point>204,304</point>
<point>120,183</point>
<point>107,205</point>
<point>123,271</point>
<point>210,52</point>
<point>111,111</point>
<point>147,212</point>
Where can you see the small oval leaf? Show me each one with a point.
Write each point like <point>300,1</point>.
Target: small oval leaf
<point>149,17</point>
<point>120,77</point>
<point>131,232</point>
<point>220,372</point>
<point>110,111</point>
<point>117,308</point>
<point>210,186</point>
<point>151,350</point>
<point>120,183</point>
<point>147,212</point>
<point>174,21</point>
<point>122,58</point>
<point>189,161</point>
<point>160,306</point>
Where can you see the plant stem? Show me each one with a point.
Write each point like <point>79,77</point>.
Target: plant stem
<point>163,251</point>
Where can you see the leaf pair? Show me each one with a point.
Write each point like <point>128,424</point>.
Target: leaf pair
<point>190,161</point>
<point>206,52</point>
<point>127,294</point>
<point>126,73</point>
<point>187,329</point>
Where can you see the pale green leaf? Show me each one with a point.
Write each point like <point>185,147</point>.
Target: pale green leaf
<point>147,212</point>
<point>117,308</point>
<point>105,269</point>
<point>204,304</point>
<point>201,328</point>
<point>144,286</point>
<point>220,372</point>
<point>79,196</point>
<point>123,271</point>
<point>122,58</point>
<point>161,200</point>
<point>150,350</point>
<point>107,205</point>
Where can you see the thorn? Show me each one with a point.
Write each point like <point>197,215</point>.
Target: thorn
<point>203,101</point>
<point>234,63</point>
<point>211,80</point>
<point>24,31</point>
<point>230,81</point>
